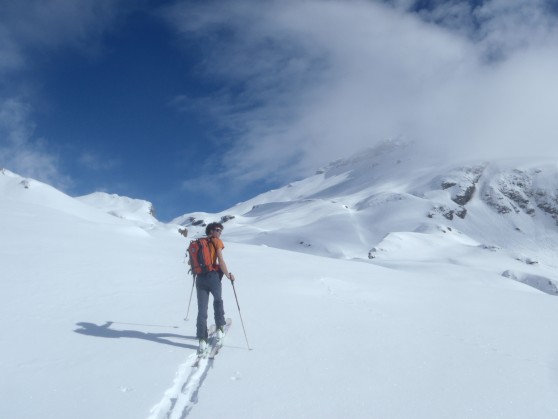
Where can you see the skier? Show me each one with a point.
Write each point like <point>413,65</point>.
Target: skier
<point>210,283</point>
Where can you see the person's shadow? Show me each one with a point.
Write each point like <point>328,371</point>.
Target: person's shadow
<point>104,331</point>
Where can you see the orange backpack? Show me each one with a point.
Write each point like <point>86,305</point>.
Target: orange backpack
<point>200,256</point>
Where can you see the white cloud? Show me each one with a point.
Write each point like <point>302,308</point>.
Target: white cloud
<point>22,154</point>
<point>315,80</point>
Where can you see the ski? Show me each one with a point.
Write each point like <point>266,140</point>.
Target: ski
<point>219,343</point>
<point>211,341</point>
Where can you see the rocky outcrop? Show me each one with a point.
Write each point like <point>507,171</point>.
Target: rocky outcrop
<point>517,191</point>
<point>447,212</point>
<point>547,201</point>
<point>462,183</point>
<point>510,192</point>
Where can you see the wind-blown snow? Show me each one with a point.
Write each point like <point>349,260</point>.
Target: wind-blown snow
<point>445,319</point>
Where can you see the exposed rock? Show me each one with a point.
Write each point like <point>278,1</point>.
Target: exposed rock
<point>372,253</point>
<point>547,202</point>
<point>447,212</point>
<point>511,192</point>
<point>462,183</point>
<point>541,283</point>
<point>490,247</point>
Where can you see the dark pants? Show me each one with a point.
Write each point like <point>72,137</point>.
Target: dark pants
<point>209,283</point>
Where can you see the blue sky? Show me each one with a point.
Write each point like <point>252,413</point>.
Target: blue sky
<point>198,105</point>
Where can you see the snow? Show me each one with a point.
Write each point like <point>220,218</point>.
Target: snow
<point>137,210</point>
<point>450,318</point>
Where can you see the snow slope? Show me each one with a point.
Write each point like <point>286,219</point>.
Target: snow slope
<point>137,210</point>
<point>436,325</point>
<point>353,208</point>
<point>394,186</point>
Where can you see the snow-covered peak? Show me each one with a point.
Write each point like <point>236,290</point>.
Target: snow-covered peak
<point>121,206</point>
<point>350,206</point>
<point>20,192</point>
<point>25,194</point>
<point>11,182</point>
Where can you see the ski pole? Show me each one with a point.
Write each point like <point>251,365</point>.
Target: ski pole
<point>191,292</point>
<point>240,314</point>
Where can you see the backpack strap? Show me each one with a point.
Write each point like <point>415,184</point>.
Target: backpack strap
<point>215,265</point>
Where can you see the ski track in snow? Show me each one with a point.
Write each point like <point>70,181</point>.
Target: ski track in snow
<point>179,400</point>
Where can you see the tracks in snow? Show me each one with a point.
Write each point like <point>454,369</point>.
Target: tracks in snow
<point>179,400</point>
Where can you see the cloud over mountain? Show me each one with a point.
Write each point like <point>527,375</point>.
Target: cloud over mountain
<point>311,80</point>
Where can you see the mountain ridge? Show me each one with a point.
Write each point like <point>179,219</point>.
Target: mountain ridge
<point>516,192</point>
<point>374,201</point>
<point>385,196</point>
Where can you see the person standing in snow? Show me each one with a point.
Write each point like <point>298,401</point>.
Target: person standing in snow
<point>210,283</point>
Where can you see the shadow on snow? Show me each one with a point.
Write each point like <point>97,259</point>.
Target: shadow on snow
<point>105,331</point>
